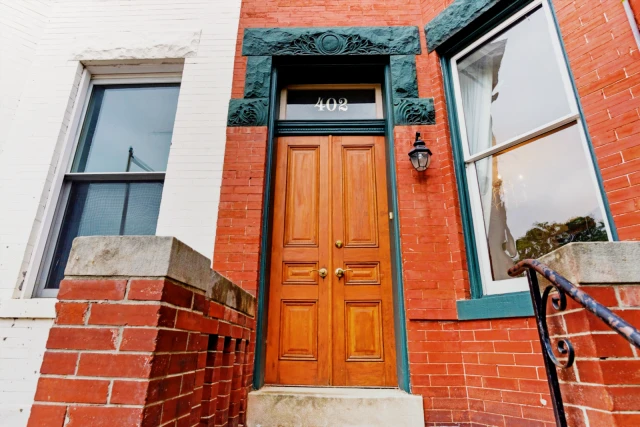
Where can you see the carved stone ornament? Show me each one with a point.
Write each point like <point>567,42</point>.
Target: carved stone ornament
<point>258,77</point>
<point>248,112</point>
<point>331,41</point>
<point>457,17</point>
<point>414,111</point>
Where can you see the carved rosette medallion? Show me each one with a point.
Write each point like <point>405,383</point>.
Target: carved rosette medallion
<point>330,44</point>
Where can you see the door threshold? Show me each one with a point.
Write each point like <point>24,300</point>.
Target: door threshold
<point>369,392</point>
<point>368,387</point>
<point>295,406</point>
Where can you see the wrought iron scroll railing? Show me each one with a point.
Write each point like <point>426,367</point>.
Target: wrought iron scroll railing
<point>562,288</point>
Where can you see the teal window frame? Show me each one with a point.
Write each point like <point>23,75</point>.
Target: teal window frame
<point>515,304</point>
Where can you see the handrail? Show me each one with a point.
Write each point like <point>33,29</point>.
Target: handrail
<point>559,303</point>
<point>562,285</point>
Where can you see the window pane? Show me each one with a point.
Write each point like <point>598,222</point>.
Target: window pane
<point>127,129</point>
<point>537,197</point>
<point>143,208</point>
<point>511,84</point>
<point>105,209</point>
<point>331,104</point>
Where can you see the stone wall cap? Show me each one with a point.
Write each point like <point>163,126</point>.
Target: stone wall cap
<point>597,262</point>
<point>154,256</point>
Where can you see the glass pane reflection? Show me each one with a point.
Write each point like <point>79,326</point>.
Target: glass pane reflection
<point>511,84</point>
<point>127,129</point>
<point>537,197</point>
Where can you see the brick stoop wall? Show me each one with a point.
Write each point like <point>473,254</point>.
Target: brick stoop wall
<point>602,388</point>
<point>161,340</point>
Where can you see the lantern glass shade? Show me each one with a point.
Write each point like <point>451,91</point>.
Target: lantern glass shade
<point>420,158</point>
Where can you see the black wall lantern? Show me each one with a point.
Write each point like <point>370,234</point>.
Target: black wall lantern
<point>420,155</point>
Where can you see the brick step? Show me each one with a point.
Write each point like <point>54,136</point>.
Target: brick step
<point>333,407</point>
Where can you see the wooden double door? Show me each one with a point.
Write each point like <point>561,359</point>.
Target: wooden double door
<point>327,327</point>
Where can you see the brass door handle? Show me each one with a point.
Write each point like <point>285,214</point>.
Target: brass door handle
<point>322,272</point>
<point>340,272</point>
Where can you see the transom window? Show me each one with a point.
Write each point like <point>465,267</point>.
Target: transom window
<point>331,102</point>
<point>115,182</point>
<point>531,180</point>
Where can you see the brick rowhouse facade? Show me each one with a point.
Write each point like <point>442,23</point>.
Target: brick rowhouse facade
<point>484,372</point>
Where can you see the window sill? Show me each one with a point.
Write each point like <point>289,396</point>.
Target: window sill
<point>36,308</point>
<point>517,304</point>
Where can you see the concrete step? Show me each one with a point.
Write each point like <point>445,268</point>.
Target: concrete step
<point>333,407</point>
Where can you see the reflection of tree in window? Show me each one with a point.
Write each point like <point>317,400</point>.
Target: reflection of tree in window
<point>545,237</point>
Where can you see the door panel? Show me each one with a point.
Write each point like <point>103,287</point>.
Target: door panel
<point>362,325</point>
<point>359,196</point>
<point>302,196</point>
<point>298,319</point>
<point>332,330</point>
<point>299,330</point>
<point>362,301</point>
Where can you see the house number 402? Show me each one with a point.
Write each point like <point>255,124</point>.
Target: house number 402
<point>331,104</point>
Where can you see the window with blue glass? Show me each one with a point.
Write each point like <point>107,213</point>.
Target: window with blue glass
<point>115,183</point>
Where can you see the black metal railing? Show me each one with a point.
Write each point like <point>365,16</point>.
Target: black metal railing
<point>562,288</point>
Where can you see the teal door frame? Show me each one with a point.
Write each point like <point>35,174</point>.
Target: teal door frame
<point>378,127</point>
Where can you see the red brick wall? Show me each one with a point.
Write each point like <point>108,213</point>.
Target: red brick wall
<point>605,62</point>
<point>143,352</point>
<point>487,372</point>
<point>238,231</point>
<point>603,386</point>
<point>483,372</point>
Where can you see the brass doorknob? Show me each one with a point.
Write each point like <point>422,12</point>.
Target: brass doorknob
<point>340,272</point>
<point>338,244</point>
<point>322,272</point>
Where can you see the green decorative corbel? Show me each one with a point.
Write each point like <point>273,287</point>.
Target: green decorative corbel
<point>248,112</point>
<point>414,111</point>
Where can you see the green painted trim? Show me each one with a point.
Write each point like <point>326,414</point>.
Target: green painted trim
<point>455,19</point>
<point>517,304</point>
<point>404,76</point>
<point>485,20</point>
<point>402,353</point>
<point>473,265</point>
<point>331,41</point>
<point>257,77</point>
<point>592,152</point>
<point>265,241</point>
<point>414,111</point>
<point>399,313</point>
<point>248,112</point>
<point>334,127</point>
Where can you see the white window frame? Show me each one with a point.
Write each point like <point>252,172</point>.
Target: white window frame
<point>490,286</point>
<point>39,264</point>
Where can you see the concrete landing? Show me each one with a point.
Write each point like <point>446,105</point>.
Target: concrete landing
<point>333,407</point>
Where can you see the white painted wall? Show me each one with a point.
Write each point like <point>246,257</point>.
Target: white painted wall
<point>43,46</point>
<point>21,25</point>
